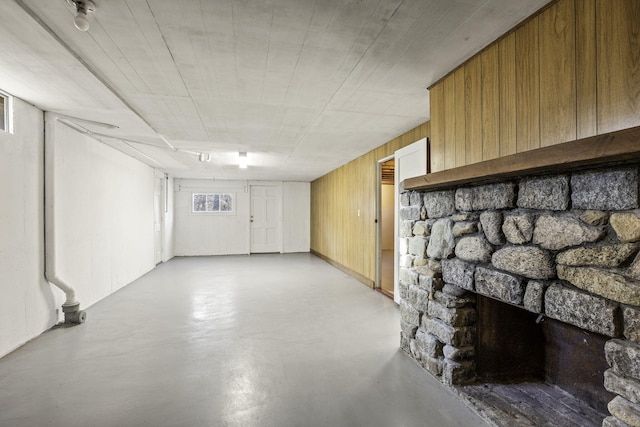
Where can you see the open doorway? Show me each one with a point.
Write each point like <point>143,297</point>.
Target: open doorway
<point>386,222</point>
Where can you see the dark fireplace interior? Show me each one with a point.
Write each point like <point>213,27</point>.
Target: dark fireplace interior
<point>515,345</point>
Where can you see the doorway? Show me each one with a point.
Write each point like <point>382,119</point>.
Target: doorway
<point>386,222</point>
<point>158,211</point>
<point>265,218</point>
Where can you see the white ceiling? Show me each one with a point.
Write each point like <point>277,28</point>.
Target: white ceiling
<point>303,86</point>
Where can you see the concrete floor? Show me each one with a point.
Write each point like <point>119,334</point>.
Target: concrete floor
<point>261,340</point>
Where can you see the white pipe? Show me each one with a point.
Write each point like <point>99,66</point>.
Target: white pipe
<point>51,272</point>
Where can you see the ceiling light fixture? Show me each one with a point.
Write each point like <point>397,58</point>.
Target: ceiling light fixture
<point>242,160</point>
<point>83,7</point>
<point>204,157</point>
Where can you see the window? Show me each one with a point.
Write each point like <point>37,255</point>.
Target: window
<point>5,112</point>
<point>212,203</point>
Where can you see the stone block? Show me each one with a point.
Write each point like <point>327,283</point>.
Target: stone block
<point>562,231</point>
<point>403,245</point>
<point>613,422</point>
<point>419,262</point>
<point>408,276</point>
<point>578,308</point>
<point>518,229</point>
<point>423,213</point>
<point>607,256</point>
<point>466,216</point>
<point>403,288</point>
<point>626,225</point>
<point>458,373</point>
<point>447,334</point>
<point>429,344</point>
<point>406,261</point>
<point>465,316</point>
<point>451,301</point>
<point>625,411</point>
<point>418,246</point>
<point>544,193</point>
<point>454,290</point>
<point>439,203</point>
<point>459,273</point>
<point>634,269</point>
<point>433,365</point>
<point>459,353</point>
<point>405,343</point>
<point>631,322</point>
<point>420,299</point>
<point>408,314</point>
<point>607,190</point>
<point>435,265</point>
<point>406,228</point>
<point>594,217</point>
<point>491,196</point>
<point>410,213</point>
<point>528,261</point>
<point>408,329</point>
<point>534,296</point>
<point>464,199</point>
<point>492,227</point>
<point>623,386</point>
<point>415,198</point>
<point>405,199</point>
<point>624,357</point>
<point>474,249</point>
<point>605,283</point>
<point>465,227</point>
<point>421,228</point>
<point>442,241</point>
<point>429,283</point>
<point>499,285</point>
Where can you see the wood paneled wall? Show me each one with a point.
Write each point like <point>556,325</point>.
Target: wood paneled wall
<point>337,232</point>
<point>569,72</point>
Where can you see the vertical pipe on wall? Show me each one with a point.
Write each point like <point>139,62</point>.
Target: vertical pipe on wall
<point>71,307</point>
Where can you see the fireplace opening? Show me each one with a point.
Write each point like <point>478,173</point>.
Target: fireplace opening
<point>536,368</point>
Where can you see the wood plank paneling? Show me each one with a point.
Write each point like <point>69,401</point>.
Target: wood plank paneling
<point>507,59</point>
<point>585,68</point>
<point>338,234</point>
<point>449,122</point>
<point>458,76</point>
<point>473,109</point>
<point>557,74</point>
<point>527,87</point>
<point>618,64</point>
<point>490,103</point>
<point>436,96</point>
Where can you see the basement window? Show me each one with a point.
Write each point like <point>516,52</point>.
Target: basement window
<point>6,113</point>
<point>213,203</point>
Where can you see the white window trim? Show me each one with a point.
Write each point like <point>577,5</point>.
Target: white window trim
<point>8,112</point>
<point>212,193</point>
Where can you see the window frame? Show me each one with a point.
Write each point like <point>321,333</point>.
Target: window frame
<point>219,194</point>
<point>7,112</point>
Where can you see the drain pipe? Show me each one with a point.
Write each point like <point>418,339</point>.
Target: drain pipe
<point>71,307</point>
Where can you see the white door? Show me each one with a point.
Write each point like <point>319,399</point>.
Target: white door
<point>265,218</point>
<point>158,208</point>
<point>410,161</point>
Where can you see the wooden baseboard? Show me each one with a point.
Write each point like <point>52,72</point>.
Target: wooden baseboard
<point>359,277</point>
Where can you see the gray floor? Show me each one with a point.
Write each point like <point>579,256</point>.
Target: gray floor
<point>261,340</point>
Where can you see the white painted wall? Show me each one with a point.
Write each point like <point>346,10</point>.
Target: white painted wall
<point>105,226</point>
<point>104,214</point>
<point>27,302</point>
<point>387,207</point>
<point>212,234</point>
<point>296,216</point>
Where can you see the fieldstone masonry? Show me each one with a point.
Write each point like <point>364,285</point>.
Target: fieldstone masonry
<point>564,246</point>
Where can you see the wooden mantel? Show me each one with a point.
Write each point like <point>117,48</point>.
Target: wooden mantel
<point>619,146</point>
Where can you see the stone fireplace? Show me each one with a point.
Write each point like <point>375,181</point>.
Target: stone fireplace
<point>529,279</point>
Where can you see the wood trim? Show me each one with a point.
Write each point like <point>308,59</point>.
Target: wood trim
<point>359,277</point>
<point>619,146</point>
